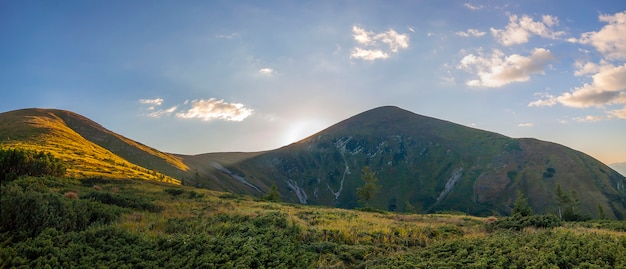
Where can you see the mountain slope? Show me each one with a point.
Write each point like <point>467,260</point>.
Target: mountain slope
<point>88,148</point>
<point>427,164</point>
<point>619,167</point>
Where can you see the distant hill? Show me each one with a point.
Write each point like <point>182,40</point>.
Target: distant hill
<point>90,149</point>
<point>619,167</point>
<point>423,164</point>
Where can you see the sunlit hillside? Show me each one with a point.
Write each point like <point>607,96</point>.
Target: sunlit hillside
<point>133,224</point>
<point>46,130</point>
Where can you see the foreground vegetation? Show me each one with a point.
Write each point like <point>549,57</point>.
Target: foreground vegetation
<point>58,222</point>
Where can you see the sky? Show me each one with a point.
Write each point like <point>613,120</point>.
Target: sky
<point>194,77</point>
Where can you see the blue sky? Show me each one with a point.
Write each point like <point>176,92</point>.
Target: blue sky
<point>206,76</point>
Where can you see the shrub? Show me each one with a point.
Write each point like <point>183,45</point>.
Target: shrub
<point>21,162</point>
<point>71,195</point>
<point>123,200</point>
<point>519,223</point>
<point>174,191</point>
<point>27,211</point>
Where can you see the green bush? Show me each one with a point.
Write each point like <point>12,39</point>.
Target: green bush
<point>175,191</point>
<point>519,223</point>
<point>124,200</point>
<point>25,212</point>
<point>21,162</point>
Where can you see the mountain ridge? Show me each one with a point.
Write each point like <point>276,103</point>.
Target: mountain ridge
<point>89,149</point>
<point>424,164</point>
<point>445,166</point>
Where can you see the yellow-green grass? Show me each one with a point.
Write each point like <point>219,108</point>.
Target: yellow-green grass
<point>84,159</point>
<point>321,224</point>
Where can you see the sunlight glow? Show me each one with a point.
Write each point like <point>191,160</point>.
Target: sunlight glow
<point>302,129</point>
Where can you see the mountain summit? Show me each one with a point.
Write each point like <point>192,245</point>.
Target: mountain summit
<point>425,164</point>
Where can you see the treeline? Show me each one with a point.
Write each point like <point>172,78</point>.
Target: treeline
<point>23,162</point>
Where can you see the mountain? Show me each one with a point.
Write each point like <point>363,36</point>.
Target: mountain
<point>423,164</point>
<point>619,167</point>
<point>90,149</point>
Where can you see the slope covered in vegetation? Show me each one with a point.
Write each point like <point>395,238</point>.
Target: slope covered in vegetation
<point>425,164</point>
<point>95,152</point>
<point>63,222</point>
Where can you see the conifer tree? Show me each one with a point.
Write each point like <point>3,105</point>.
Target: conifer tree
<point>522,208</point>
<point>370,189</point>
<point>273,195</point>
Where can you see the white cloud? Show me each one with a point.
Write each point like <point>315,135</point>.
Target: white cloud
<point>227,36</point>
<point>161,112</point>
<point>620,113</point>
<point>369,55</point>
<point>267,71</point>
<point>361,36</point>
<point>608,87</point>
<point>589,118</point>
<point>498,69</point>
<point>611,39</point>
<point>519,30</point>
<point>471,32</point>
<point>546,99</point>
<point>211,109</point>
<point>378,45</point>
<point>585,68</point>
<point>525,125</point>
<point>394,40</point>
<point>473,7</point>
<point>156,101</point>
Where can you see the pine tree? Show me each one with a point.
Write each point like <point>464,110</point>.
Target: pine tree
<point>273,195</point>
<point>370,189</point>
<point>562,200</point>
<point>522,208</point>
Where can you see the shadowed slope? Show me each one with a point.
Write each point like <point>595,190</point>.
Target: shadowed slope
<point>431,165</point>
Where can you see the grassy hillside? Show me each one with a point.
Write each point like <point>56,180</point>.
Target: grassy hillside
<point>94,153</point>
<point>426,165</point>
<point>132,224</point>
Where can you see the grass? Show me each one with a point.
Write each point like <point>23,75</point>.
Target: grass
<point>36,130</point>
<point>196,227</point>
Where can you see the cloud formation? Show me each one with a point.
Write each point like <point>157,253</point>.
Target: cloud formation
<point>519,30</point>
<point>588,118</point>
<point>473,7</point>
<point>162,112</point>
<point>206,110</point>
<point>471,32</point>
<point>619,113</point>
<point>267,71</point>
<point>608,87</point>
<point>497,69</point>
<point>611,39</point>
<point>156,101</point>
<point>377,45</point>
<point>608,77</point>
<point>211,109</point>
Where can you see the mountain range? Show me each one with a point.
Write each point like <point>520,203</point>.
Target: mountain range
<point>423,164</point>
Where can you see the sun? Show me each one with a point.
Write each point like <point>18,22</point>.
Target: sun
<point>301,129</point>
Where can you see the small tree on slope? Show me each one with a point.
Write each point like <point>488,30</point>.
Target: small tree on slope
<point>370,189</point>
